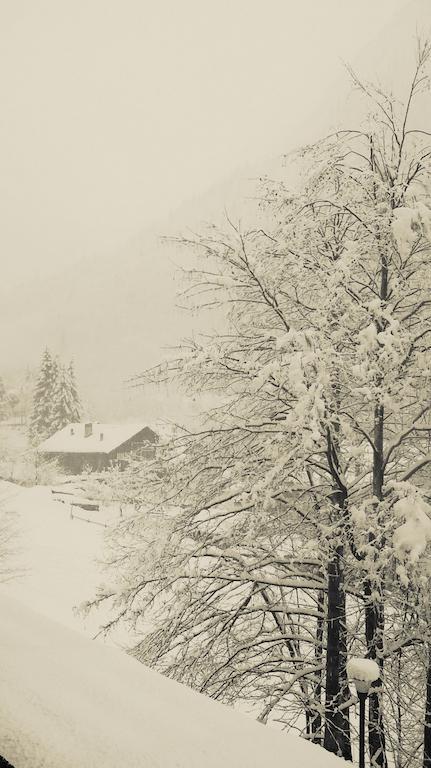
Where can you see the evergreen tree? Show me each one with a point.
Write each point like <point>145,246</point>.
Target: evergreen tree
<point>74,396</point>
<point>66,405</point>
<point>41,417</point>
<point>55,401</point>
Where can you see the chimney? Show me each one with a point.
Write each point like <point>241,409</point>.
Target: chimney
<point>88,430</point>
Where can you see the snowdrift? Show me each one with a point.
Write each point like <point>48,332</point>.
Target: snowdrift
<point>69,702</point>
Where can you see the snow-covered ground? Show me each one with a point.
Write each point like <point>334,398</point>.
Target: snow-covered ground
<point>57,555</point>
<point>70,702</point>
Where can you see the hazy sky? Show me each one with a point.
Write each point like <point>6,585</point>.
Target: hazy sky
<point>115,111</point>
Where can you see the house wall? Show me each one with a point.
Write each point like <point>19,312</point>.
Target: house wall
<point>75,463</point>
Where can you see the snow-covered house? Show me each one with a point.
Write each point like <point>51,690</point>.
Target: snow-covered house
<point>97,445</point>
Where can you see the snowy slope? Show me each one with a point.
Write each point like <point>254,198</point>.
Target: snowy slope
<point>70,702</point>
<point>55,554</point>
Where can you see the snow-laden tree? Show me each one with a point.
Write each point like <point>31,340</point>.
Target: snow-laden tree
<point>295,515</point>
<point>55,400</point>
<point>66,406</point>
<point>40,426</point>
<point>76,406</point>
<point>8,400</point>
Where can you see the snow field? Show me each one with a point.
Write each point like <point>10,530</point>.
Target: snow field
<point>70,702</point>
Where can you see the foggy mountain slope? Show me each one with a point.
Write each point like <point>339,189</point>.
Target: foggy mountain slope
<point>110,314</point>
<point>114,311</point>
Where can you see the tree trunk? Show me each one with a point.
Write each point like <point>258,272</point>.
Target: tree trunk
<point>316,720</point>
<point>337,725</point>
<point>374,606</point>
<point>374,626</point>
<point>427,726</point>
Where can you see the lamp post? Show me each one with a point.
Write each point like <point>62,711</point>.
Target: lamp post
<point>363,673</point>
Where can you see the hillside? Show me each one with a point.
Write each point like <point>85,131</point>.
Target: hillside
<point>114,313</point>
<point>70,702</point>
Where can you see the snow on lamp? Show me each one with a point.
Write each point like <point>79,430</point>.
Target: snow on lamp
<point>363,673</point>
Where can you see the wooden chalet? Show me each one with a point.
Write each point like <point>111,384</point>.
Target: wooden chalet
<point>97,446</point>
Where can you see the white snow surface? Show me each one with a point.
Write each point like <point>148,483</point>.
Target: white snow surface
<point>103,439</point>
<point>56,555</point>
<point>68,701</point>
<point>71,702</point>
<point>365,670</point>
<point>414,534</point>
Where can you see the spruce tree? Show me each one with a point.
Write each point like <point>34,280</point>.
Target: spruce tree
<point>42,413</point>
<point>75,401</point>
<point>66,405</point>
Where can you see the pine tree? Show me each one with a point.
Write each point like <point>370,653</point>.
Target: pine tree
<point>41,417</point>
<point>75,401</point>
<point>66,405</point>
<point>55,401</point>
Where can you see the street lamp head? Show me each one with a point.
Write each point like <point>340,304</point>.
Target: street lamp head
<point>363,673</point>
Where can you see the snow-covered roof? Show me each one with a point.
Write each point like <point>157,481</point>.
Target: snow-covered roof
<point>71,702</point>
<point>104,438</point>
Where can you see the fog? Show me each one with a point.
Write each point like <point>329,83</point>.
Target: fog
<point>123,120</point>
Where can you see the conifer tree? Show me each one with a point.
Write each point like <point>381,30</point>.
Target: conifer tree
<point>75,410</point>
<point>41,417</point>
<point>66,405</point>
<point>55,401</point>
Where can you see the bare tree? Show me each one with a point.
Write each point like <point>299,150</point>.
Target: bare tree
<point>296,516</point>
